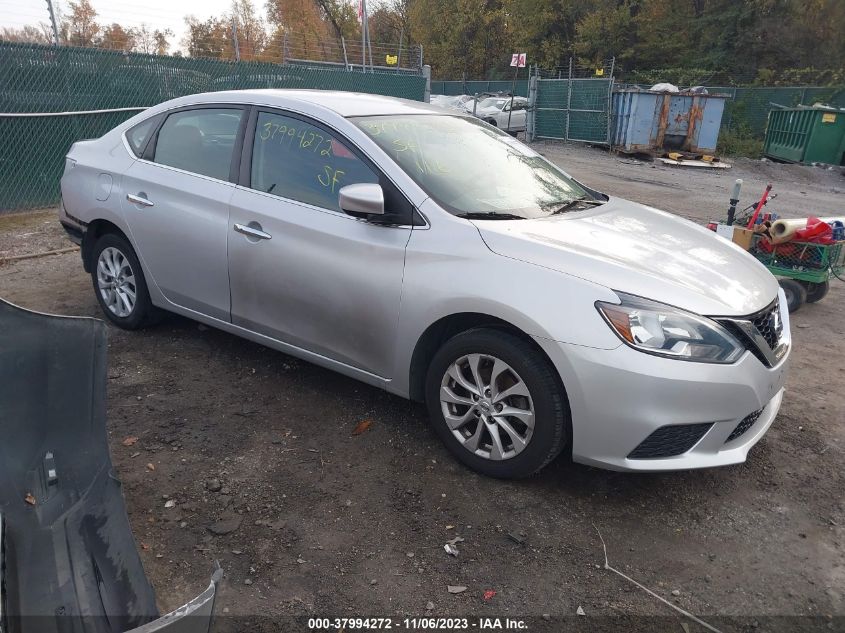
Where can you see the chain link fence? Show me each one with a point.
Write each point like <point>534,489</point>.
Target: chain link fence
<point>574,105</point>
<point>53,96</point>
<point>746,110</point>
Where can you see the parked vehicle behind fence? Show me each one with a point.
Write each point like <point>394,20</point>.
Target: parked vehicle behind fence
<point>430,254</point>
<point>504,112</point>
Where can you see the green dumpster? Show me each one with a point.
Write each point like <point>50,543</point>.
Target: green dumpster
<point>806,135</point>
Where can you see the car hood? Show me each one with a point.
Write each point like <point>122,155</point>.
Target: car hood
<point>642,251</point>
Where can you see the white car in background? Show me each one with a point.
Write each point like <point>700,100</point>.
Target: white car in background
<point>506,113</point>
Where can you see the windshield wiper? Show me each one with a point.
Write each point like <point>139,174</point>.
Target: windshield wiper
<point>489,215</point>
<point>576,201</point>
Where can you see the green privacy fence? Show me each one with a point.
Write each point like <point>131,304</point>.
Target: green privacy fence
<point>573,109</point>
<point>52,86</point>
<point>747,109</point>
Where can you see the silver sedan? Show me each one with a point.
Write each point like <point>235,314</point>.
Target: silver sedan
<point>432,255</point>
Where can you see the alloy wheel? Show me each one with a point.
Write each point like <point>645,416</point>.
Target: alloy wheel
<point>116,282</point>
<point>487,406</point>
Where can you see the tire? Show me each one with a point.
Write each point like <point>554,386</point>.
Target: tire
<point>795,293</point>
<point>816,291</point>
<point>476,447</point>
<point>120,256</point>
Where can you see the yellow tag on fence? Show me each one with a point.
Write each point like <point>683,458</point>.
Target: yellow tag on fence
<point>391,59</point>
<point>828,117</point>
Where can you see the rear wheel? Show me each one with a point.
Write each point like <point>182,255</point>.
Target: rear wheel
<point>795,293</point>
<point>119,283</point>
<point>816,291</point>
<point>497,404</point>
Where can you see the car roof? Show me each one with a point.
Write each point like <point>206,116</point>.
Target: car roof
<point>346,104</point>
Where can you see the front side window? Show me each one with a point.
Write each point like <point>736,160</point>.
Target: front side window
<point>200,141</point>
<point>471,168</point>
<point>297,160</point>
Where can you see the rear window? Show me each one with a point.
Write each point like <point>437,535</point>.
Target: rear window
<point>199,140</point>
<point>138,135</point>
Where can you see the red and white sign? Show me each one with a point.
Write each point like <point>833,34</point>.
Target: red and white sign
<point>518,60</point>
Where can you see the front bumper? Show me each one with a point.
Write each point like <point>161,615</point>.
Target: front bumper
<point>619,397</point>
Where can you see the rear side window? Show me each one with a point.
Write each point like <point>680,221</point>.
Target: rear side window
<point>294,159</point>
<point>200,141</point>
<point>138,135</point>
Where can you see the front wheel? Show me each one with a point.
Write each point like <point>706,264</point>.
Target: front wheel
<point>119,283</point>
<point>497,403</point>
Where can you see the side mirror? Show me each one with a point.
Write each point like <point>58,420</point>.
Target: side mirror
<point>363,198</point>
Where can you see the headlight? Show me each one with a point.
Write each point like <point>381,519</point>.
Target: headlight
<point>657,328</point>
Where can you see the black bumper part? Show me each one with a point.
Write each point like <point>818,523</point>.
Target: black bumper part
<point>68,561</point>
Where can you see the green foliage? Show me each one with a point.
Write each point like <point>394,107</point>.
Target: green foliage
<point>735,143</point>
<point>771,42</point>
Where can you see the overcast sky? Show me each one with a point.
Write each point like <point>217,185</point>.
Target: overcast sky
<point>158,14</point>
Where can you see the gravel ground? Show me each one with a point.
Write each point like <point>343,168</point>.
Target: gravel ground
<point>312,520</point>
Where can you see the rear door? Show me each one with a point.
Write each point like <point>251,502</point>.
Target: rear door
<point>302,271</point>
<point>176,204</point>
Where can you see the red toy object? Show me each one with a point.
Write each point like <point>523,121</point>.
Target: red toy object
<point>817,232</point>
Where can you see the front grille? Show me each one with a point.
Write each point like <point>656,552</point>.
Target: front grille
<point>746,423</point>
<point>767,323</point>
<point>668,441</point>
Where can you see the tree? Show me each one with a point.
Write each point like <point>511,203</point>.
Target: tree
<point>41,34</point>
<point>252,35</point>
<point>342,16</point>
<point>115,37</point>
<point>208,38</point>
<point>604,33</point>
<point>151,41</point>
<point>301,27</point>
<point>460,37</point>
<point>80,25</point>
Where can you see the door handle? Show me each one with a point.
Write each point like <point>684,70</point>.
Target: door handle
<point>143,201</point>
<point>251,231</point>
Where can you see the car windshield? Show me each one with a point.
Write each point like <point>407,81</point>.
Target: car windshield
<point>473,169</point>
<point>493,102</point>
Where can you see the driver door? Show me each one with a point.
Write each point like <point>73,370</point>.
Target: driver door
<point>301,270</point>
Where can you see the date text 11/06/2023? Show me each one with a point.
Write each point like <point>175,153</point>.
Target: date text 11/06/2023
<point>417,624</point>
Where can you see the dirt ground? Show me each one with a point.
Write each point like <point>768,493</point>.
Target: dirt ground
<point>319,522</point>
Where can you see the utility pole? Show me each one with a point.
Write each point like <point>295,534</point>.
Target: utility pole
<point>53,22</point>
<point>235,38</point>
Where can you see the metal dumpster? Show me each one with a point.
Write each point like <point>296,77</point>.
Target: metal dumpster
<point>806,135</point>
<point>653,122</point>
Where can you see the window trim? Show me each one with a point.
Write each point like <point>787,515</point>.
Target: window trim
<point>149,151</point>
<point>245,173</point>
<point>152,119</point>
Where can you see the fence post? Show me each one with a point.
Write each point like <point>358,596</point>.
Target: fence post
<point>610,102</point>
<point>426,71</point>
<point>568,100</point>
<point>284,47</point>
<point>53,22</point>
<point>421,56</point>
<point>530,124</point>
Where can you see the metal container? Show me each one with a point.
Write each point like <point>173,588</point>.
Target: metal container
<point>806,135</point>
<point>653,122</point>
